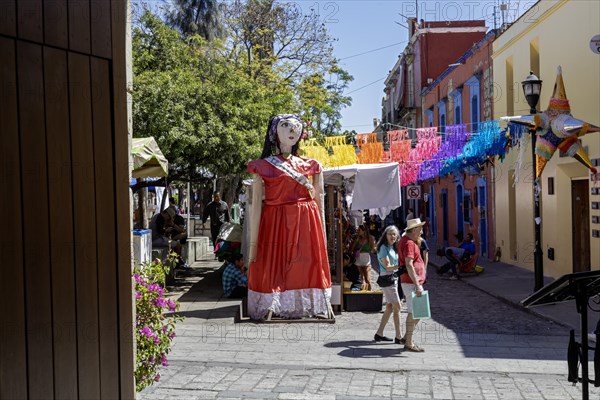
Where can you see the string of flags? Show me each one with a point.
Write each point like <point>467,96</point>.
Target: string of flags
<point>434,153</point>
<point>440,151</point>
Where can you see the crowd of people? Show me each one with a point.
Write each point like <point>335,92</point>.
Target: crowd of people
<point>287,210</point>
<point>169,227</point>
<point>400,257</point>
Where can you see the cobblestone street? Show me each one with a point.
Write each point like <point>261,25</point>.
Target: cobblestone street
<point>477,347</point>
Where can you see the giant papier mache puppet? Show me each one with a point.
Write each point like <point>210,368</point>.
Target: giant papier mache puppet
<point>289,274</point>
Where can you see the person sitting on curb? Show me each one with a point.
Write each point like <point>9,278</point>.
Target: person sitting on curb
<point>352,273</point>
<point>177,232</point>
<point>161,226</point>
<point>235,281</point>
<point>457,256</point>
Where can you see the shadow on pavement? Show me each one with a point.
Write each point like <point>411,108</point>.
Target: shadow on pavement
<point>365,349</point>
<point>213,313</point>
<point>200,293</point>
<point>484,326</point>
<point>200,284</point>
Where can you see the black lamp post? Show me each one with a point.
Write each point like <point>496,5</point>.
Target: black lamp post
<point>532,86</point>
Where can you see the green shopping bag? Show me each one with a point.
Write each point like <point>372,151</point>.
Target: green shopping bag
<point>420,305</point>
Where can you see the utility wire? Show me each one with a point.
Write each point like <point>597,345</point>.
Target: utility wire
<point>438,127</point>
<point>371,51</point>
<point>355,126</point>
<point>367,85</point>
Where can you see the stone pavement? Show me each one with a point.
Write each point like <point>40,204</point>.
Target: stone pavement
<point>513,284</point>
<point>478,346</point>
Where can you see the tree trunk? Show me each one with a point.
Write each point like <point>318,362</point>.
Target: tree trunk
<point>142,200</point>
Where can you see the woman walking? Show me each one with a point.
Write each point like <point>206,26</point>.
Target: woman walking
<point>413,280</point>
<point>363,246</point>
<point>387,255</point>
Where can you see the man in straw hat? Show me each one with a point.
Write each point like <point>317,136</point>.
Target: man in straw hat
<point>410,253</point>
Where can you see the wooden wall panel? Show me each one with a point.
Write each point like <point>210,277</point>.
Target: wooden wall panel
<point>56,23</point>
<point>35,220</point>
<point>13,356</point>
<point>29,20</point>
<point>84,209</point>
<point>100,18</point>
<point>8,17</point>
<point>119,17</point>
<point>60,197</point>
<point>68,330</point>
<point>105,228</point>
<point>79,25</point>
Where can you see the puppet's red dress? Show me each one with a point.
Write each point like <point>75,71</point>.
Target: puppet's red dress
<point>290,274</point>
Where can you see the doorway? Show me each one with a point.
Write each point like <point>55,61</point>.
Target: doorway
<point>460,220</point>
<point>512,217</point>
<point>580,225</point>
<point>432,216</point>
<point>445,228</point>
<point>483,237</point>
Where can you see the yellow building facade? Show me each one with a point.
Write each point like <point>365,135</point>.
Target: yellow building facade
<point>550,34</point>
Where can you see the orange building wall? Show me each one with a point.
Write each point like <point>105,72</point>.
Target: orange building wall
<point>470,184</point>
<point>476,63</point>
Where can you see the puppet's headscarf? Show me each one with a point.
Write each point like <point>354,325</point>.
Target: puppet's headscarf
<point>275,121</point>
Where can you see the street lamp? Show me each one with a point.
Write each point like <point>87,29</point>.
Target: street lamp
<point>532,86</point>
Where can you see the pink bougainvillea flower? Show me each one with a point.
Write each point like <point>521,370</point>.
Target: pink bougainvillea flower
<point>146,331</point>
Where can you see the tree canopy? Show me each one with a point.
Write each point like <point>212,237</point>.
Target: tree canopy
<point>322,99</point>
<point>204,113</point>
<point>279,35</point>
<point>207,102</point>
<point>196,17</point>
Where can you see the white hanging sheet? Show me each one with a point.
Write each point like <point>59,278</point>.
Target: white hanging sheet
<point>376,186</point>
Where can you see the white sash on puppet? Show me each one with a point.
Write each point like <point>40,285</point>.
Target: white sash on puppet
<point>297,176</point>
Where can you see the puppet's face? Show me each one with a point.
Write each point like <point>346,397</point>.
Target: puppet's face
<point>289,131</point>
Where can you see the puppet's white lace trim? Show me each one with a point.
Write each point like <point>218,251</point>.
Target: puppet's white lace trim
<point>290,304</point>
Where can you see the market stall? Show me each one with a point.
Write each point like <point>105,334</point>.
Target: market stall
<point>148,162</point>
<point>357,187</point>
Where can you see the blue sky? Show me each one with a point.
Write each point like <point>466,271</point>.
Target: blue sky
<point>365,25</point>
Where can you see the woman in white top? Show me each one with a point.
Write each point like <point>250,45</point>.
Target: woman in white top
<point>363,246</point>
<point>387,255</point>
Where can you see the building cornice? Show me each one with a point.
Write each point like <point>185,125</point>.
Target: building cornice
<point>554,8</point>
<point>469,29</point>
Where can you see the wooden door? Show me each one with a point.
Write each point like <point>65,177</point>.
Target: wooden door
<point>67,322</point>
<point>483,225</point>
<point>445,222</point>
<point>581,225</point>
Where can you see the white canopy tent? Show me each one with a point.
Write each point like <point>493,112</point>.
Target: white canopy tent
<point>376,187</point>
<point>148,160</point>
